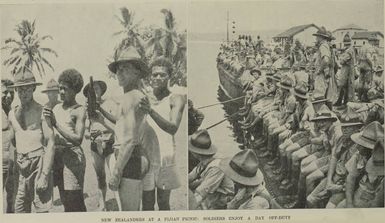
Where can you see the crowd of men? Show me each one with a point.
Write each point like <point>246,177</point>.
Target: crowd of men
<point>313,121</point>
<point>132,134</point>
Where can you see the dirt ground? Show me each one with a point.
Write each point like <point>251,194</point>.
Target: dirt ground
<point>178,200</point>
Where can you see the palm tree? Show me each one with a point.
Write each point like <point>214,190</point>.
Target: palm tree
<point>27,52</point>
<point>170,36</point>
<point>131,32</point>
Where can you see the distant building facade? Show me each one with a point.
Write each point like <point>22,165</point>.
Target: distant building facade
<point>347,31</point>
<point>304,33</point>
<point>361,38</point>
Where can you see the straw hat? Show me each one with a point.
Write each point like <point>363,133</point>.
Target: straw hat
<point>24,78</point>
<point>323,114</point>
<point>52,85</point>
<point>101,83</point>
<point>369,135</point>
<point>129,55</point>
<point>243,168</point>
<point>375,165</point>
<point>200,143</point>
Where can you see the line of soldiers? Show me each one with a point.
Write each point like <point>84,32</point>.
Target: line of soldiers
<point>133,134</point>
<point>322,144</point>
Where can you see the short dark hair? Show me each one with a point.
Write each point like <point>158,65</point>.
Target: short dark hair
<point>163,62</point>
<point>72,78</point>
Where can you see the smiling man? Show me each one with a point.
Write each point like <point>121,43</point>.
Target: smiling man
<point>34,148</point>
<point>136,143</point>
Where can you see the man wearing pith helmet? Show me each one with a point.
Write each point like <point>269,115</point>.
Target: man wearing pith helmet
<point>250,191</point>
<point>34,157</point>
<point>135,143</point>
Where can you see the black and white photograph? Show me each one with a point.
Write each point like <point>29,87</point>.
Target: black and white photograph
<point>101,89</point>
<point>292,111</point>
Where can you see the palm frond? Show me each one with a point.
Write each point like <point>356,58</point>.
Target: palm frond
<point>48,63</point>
<point>169,19</point>
<point>48,50</point>
<point>11,40</point>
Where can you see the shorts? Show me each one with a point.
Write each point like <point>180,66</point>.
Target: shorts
<point>29,171</point>
<point>69,168</point>
<point>149,180</point>
<point>107,149</point>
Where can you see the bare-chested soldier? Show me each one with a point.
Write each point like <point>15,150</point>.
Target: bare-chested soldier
<point>135,139</point>
<point>34,147</point>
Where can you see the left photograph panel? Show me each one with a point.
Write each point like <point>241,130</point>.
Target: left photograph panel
<point>93,107</point>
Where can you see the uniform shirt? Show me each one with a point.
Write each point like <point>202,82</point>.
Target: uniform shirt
<point>356,164</point>
<point>259,200</point>
<point>334,135</point>
<point>215,189</point>
<point>323,58</point>
<point>288,106</point>
<point>303,113</point>
<point>367,57</point>
<point>301,77</point>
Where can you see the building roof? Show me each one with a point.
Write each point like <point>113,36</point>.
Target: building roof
<point>349,27</point>
<point>366,35</point>
<point>294,30</point>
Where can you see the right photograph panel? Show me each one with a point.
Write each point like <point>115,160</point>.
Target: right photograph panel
<point>286,104</point>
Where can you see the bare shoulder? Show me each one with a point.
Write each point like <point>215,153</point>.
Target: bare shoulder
<point>79,111</point>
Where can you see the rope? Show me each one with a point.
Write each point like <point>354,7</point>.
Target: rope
<point>212,126</point>
<point>219,103</point>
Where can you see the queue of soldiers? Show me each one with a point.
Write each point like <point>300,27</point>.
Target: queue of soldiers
<point>133,134</point>
<point>313,123</point>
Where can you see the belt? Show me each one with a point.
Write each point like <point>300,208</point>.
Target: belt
<point>32,154</point>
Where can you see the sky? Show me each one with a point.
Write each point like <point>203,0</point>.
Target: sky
<point>83,33</point>
<point>210,16</point>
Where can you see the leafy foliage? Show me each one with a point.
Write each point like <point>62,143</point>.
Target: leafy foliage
<point>153,42</point>
<point>26,52</point>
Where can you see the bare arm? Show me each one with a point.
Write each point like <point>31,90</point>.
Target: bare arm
<point>49,151</point>
<point>107,115</point>
<point>170,126</point>
<point>131,132</point>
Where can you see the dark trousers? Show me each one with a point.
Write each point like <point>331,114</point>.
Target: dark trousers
<point>162,197</point>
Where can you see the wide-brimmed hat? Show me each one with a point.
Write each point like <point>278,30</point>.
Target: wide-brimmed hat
<point>243,168</point>
<point>301,90</point>
<point>102,84</point>
<point>129,55</point>
<point>318,98</point>
<point>369,135</point>
<point>255,70</point>
<point>276,77</point>
<point>375,165</point>
<point>52,85</point>
<point>324,114</point>
<point>322,33</point>
<point>379,68</point>
<point>285,83</point>
<point>24,78</point>
<point>200,143</point>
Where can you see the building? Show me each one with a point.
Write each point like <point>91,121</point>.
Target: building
<point>348,31</point>
<point>304,33</point>
<point>361,38</point>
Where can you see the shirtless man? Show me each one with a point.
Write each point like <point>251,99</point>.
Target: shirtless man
<point>68,119</point>
<point>34,147</point>
<point>135,141</point>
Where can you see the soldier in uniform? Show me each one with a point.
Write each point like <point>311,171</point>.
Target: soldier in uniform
<point>250,191</point>
<point>366,64</point>
<point>52,91</point>
<point>212,188</point>
<point>324,64</point>
<point>347,75</point>
<point>377,88</point>
<point>369,183</point>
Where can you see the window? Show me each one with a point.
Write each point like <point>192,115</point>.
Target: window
<point>363,42</point>
<point>354,42</point>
